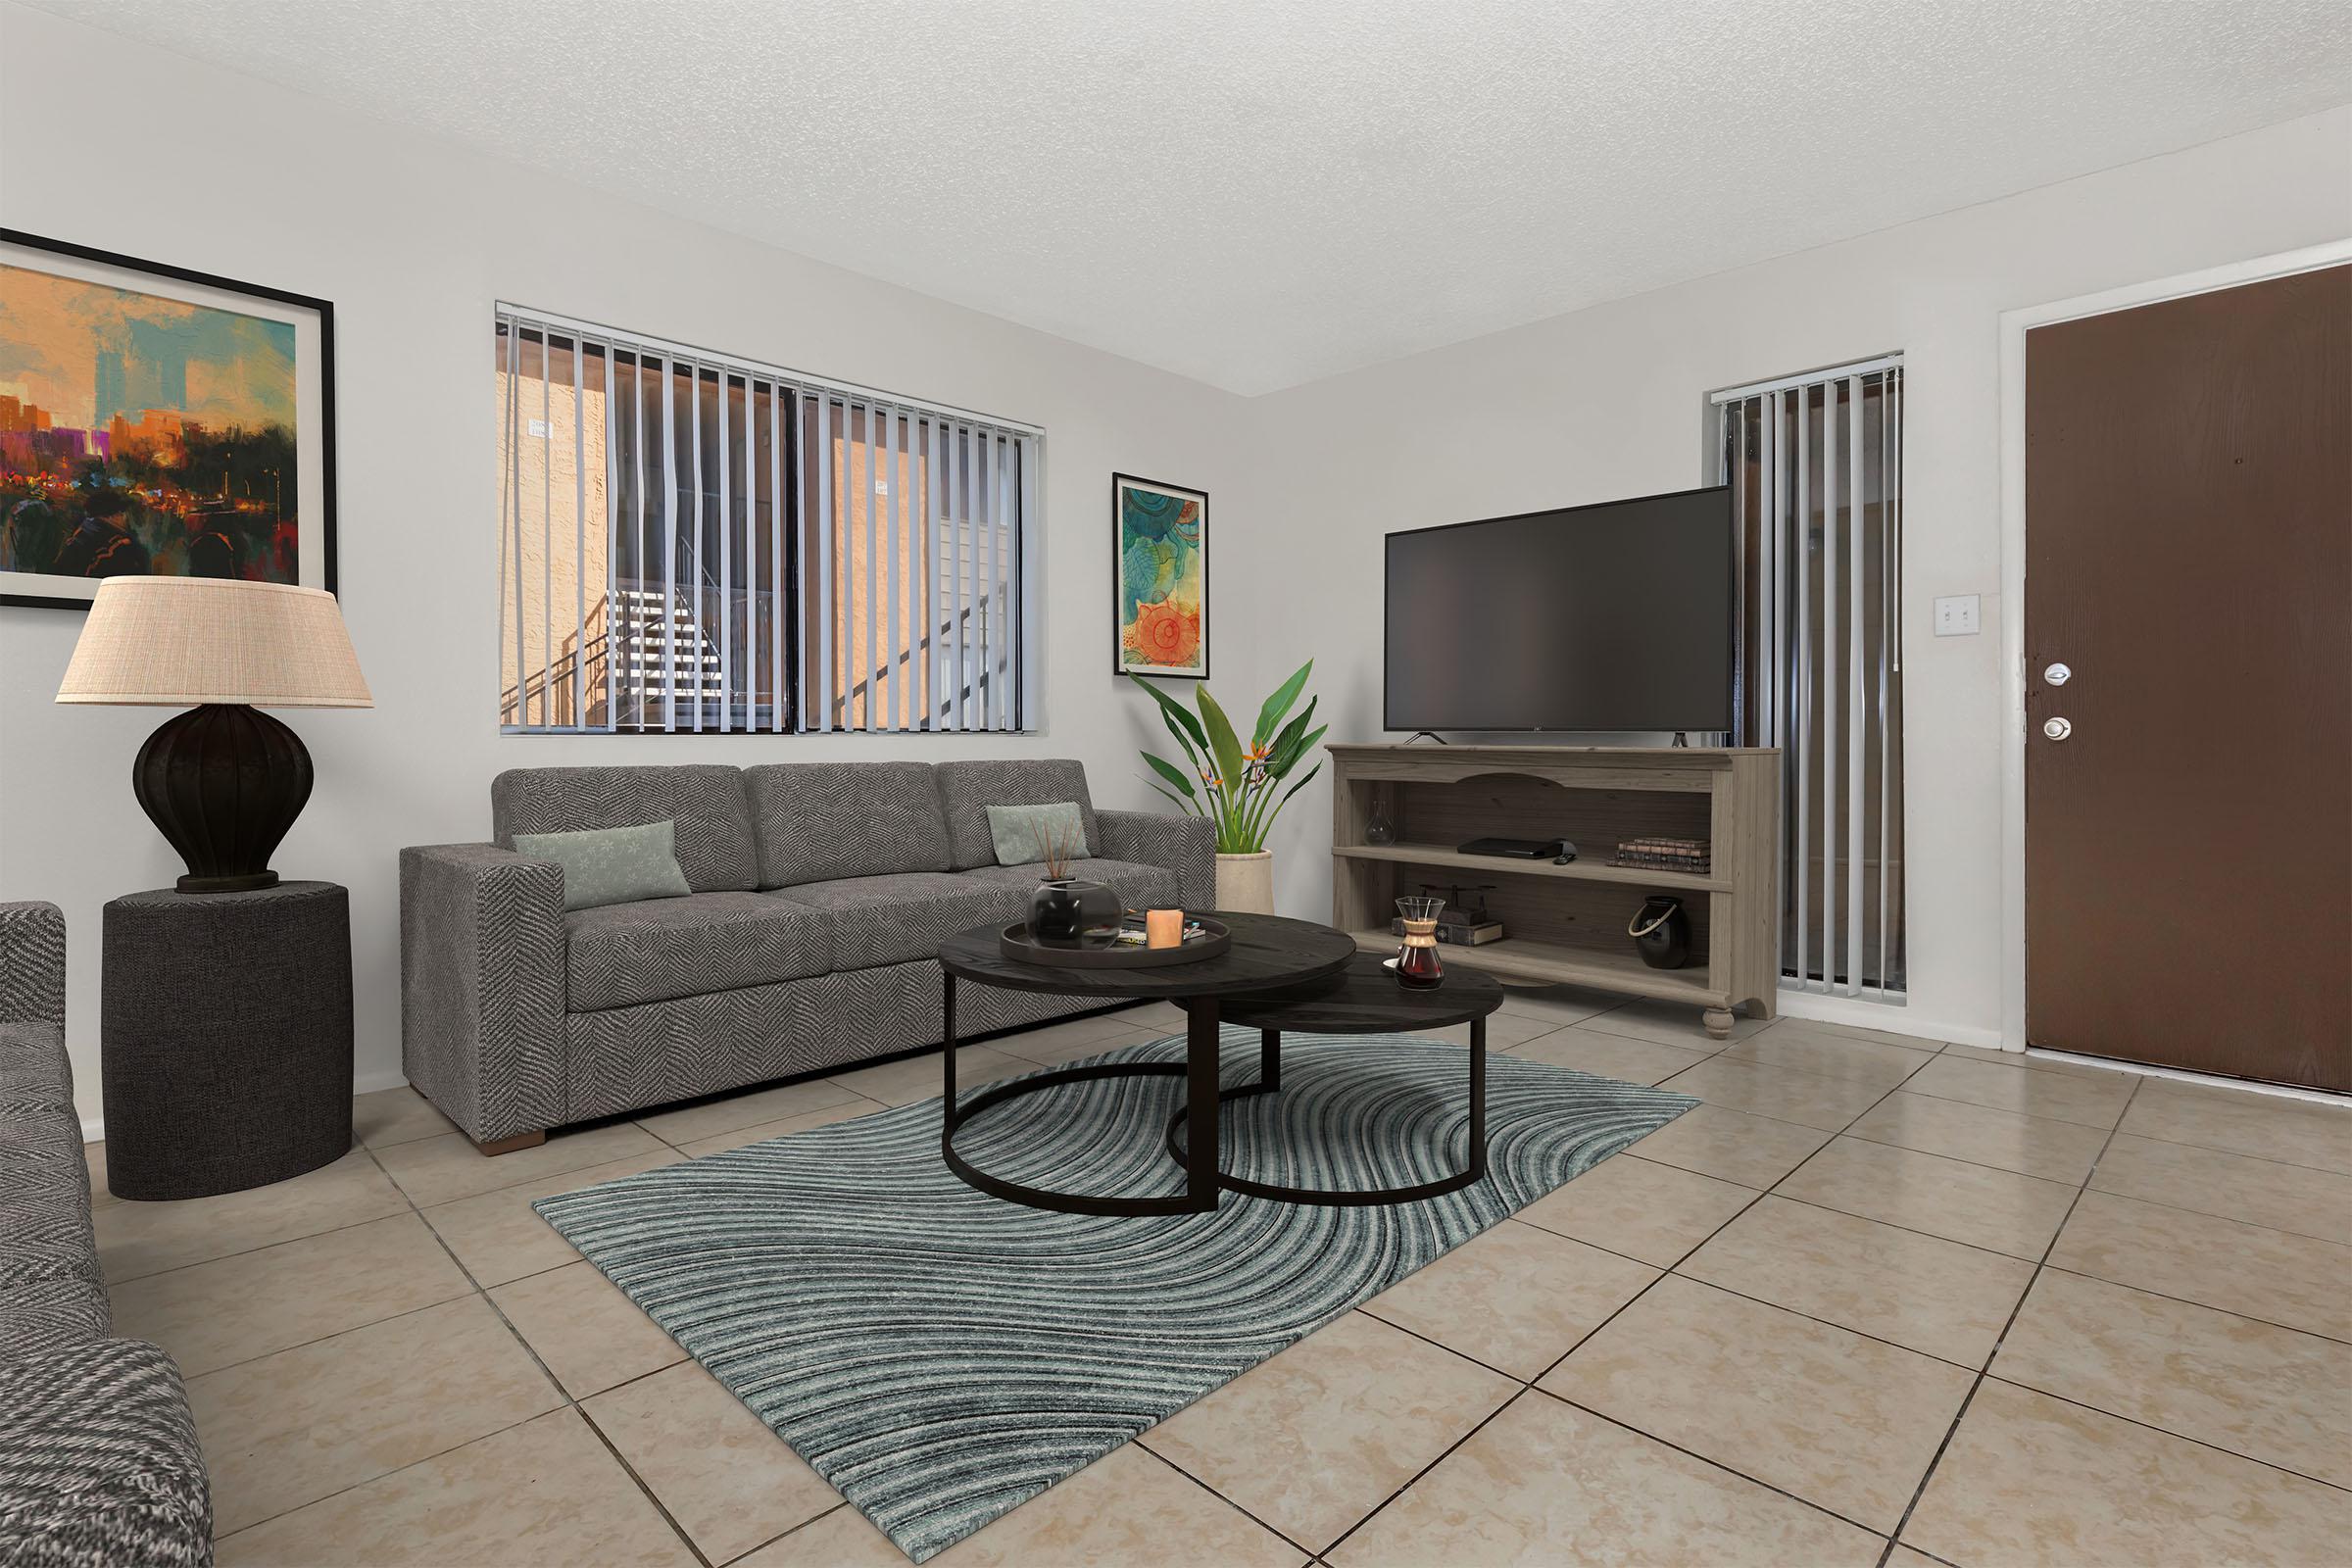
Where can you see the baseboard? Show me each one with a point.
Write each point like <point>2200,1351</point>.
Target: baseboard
<point>93,1128</point>
<point>1885,1019</point>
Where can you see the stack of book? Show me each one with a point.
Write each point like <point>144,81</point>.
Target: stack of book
<point>1664,855</point>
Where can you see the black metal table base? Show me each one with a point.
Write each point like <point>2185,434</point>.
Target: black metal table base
<point>1270,1080</point>
<point>1203,1179</point>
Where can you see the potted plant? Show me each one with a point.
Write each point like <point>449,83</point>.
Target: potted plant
<point>1239,789</point>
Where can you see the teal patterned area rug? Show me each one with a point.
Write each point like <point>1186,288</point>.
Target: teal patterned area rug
<point>941,1356</point>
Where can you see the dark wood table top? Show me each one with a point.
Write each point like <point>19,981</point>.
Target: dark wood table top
<point>1363,997</point>
<point>1268,950</point>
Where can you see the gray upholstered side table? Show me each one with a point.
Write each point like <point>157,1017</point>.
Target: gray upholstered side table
<point>224,1038</point>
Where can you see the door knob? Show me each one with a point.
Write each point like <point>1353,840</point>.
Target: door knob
<point>2057,729</point>
<point>2058,674</point>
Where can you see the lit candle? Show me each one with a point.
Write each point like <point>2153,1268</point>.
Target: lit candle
<point>1163,928</point>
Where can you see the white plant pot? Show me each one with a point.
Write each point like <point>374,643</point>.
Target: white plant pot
<point>1246,882</point>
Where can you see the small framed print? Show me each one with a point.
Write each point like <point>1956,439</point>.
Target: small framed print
<point>155,421</point>
<point>1159,578</point>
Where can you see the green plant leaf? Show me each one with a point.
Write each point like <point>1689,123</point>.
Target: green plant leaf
<point>1223,744</point>
<point>1301,784</point>
<point>1280,703</point>
<point>1192,807</point>
<point>1180,722</point>
<point>1289,746</point>
<point>1169,771</point>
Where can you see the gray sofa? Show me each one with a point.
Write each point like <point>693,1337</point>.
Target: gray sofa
<point>820,892</point>
<point>98,1456</point>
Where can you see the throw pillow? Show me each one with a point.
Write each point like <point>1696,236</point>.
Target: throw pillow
<point>1023,834</point>
<point>611,864</point>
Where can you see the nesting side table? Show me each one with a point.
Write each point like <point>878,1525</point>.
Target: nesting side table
<point>224,1038</point>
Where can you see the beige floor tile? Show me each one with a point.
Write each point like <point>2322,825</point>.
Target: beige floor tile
<point>1827,1055</point>
<point>303,1424</point>
<point>1923,1291</point>
<point>2061,1097</point>
<point>498,1237</point>
<point>1546,1484</point>
<point>1835,1418</point>
<point>440,1171</point>
<point>542,1495</point>
<point>1125,1510</point>
<point>2260,1192</point>
<point>1667,1023</point>
<point>1730,1144</point>
<point>1882,1037</point>
<point>1784,1094</point>
<point>589,1335</point>
<point>142,1238</point>
<point>1995,1210</point>
<point>1904,1557</point>
<point>2028,1479</point>
<point>1156,1017</point>
<point>1316,1438</point>
<point>2032,1145</point>
<point>1504,1030</point>
<point>1629,1206</point>
<point>717,1469</point>
<point>2298,1280</point>
<point>2257,1389</point>
<point>1071,1039</point>
<point>1561,1005</point>
<point>1619,1057</point>
<point>2298,1132</point>
<point>1516,1298</point>
<point>847,1110</point>
<point>689,1122</point>
<point>396,1116</point>
<point>2036,1062</point>
<point>232,1309</point>
<point>920,1078</point>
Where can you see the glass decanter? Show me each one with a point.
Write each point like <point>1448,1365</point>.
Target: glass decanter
<point>1418,968</point>
<point>1380,827</point>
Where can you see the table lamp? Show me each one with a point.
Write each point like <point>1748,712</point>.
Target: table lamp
<point>222,781</point>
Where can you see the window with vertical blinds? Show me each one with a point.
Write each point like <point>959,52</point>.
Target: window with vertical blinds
<point>694,542</point>
<point>1815,462</point>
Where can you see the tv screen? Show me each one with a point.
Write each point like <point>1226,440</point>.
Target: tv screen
<point>1615,617</point>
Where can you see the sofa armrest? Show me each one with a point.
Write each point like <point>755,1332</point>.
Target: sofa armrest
<point>482,955</point>
<point>32,964</point>
<point>1185,845</point>
<point>99,1462</point>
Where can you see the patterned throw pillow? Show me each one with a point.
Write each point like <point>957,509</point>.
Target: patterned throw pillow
<point>1023,833</point>
<point>611,864</point>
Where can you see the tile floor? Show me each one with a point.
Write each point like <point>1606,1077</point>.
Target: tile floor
<point>1875,1302</point>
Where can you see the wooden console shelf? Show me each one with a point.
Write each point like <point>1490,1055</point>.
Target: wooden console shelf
<point>1565,924</point>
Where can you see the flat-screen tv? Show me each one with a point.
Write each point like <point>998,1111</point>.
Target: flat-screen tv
<point>1614,617</point>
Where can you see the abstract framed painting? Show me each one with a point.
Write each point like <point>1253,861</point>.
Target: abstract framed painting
<point>155,421</point>
<point>1158,579</point>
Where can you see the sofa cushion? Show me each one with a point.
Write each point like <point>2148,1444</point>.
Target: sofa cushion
<point>905,917</point>
<point>707,802</point>
<point>611,864</point>
<point>1139,887</point>
<point>820,822</point>
<point>966,789</point>
<point>624,953</point>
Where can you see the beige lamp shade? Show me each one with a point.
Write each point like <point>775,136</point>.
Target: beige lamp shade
<point>183,641</point>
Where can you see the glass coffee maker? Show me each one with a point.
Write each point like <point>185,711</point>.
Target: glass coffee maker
<point>1418,968</point>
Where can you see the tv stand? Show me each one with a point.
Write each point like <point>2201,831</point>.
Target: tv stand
<point>1566,924</point>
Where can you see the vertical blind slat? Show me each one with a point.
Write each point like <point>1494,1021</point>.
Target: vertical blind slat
<point>1832,694</point>
<point>1802,538</point>
<point>726,563</point>
<point>1856,721</point>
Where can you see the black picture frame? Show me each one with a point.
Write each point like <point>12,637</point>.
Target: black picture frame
<point>322,310</point>
<point>1118,660</point>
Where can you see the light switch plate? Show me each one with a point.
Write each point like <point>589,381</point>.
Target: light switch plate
<point>1956,615</point>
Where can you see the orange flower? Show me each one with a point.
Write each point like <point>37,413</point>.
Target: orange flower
<point>1166,634</point>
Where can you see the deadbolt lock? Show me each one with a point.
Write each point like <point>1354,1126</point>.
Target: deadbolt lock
<point>2058,674</point>
<point>2057,729</point>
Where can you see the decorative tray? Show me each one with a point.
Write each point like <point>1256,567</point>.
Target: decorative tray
<point>1104,953</point>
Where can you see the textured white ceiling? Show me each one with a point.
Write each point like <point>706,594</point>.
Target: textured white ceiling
<point>1262,194</point>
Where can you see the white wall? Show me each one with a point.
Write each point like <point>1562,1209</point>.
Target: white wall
<point>1611,402</point>
<point>110,143</point>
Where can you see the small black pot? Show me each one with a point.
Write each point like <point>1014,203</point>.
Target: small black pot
<point>1059,912</point>
<point>1661,933</point>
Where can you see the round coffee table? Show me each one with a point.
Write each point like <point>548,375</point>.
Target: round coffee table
<point>1268,951</point>
<point>1362,999</point>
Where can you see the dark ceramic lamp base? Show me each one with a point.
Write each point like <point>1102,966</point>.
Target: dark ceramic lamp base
<point>222,783</point>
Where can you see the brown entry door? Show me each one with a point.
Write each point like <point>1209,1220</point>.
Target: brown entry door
<point>2189,558</point>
